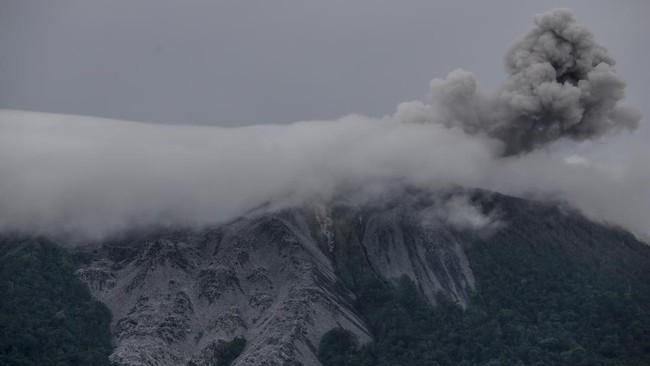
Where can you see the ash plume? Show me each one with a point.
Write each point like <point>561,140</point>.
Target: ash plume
<point>561,83</point>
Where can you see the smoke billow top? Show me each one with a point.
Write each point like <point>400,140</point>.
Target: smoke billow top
<point>93,177</point>
<point>561,83</point>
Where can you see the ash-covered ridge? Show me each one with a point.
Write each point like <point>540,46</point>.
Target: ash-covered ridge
<point>273,278</point>
<point>282,279</point>
<point>174,295</point>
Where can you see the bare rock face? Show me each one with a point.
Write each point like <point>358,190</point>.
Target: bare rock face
<point>397,242</point>
<point>270,278</point>
<point>174,295</point>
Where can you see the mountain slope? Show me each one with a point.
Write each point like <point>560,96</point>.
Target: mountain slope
<point>551,288</point>
<point>542,287</point>
<point>174,295</point>
<point>47,316</point>
<point>272,278</point>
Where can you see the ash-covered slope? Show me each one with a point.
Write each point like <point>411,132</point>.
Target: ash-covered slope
<point>173,295</point>
<point>283,279</point>
<point>271,278</point>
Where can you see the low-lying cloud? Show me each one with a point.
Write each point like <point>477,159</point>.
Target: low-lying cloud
<point>74,174</point>
<point>94,177</point>
<point>459,212</point>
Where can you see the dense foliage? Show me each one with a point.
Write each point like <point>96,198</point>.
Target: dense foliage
<point>557,290</point>
<point>226,352</point>
<point>340,347</point>
<point>47,315</point>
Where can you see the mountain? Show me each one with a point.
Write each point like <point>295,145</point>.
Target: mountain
<point>386,283</point>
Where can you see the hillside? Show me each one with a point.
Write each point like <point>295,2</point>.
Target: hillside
<point>551,289</point>
<point>47,316</point>
<point>377,284</point>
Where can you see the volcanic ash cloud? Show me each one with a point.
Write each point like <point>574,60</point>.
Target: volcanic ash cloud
<point>561,83</point>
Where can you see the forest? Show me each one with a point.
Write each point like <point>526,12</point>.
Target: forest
<point>552,290</point>
<point>47,315</point>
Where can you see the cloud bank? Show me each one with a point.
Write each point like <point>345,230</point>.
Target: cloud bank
<point>91,177</point>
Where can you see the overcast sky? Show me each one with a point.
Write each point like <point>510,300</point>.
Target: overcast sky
<point>257,62</point>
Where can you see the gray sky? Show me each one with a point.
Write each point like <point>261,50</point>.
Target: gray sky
<point>241,63</point>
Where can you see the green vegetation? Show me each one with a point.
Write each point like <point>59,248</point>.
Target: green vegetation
<point>340,347</point>
<point>47,315</point>
<point>551,290</point>
<point>226,352</point>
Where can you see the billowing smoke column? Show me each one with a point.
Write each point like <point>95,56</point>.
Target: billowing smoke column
<point>560,83</point>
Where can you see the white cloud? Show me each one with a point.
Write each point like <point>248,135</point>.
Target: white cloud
<point>89,176</point>
<point>95,176</point>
